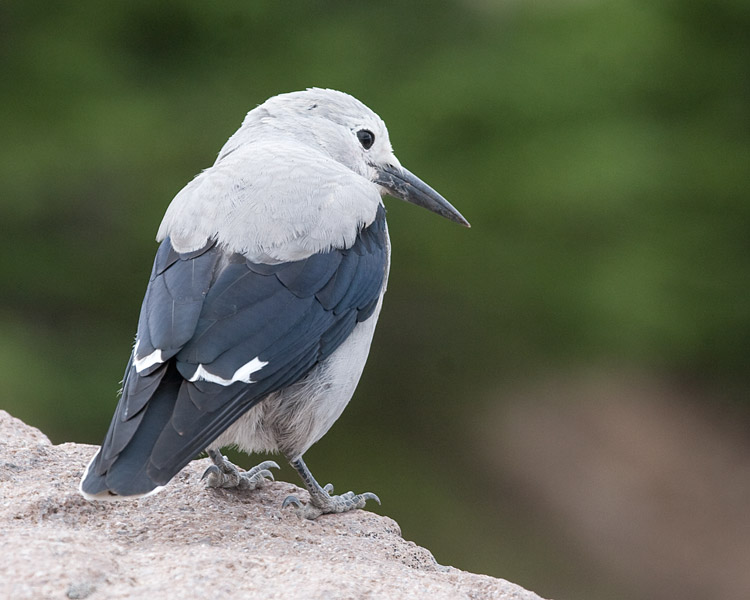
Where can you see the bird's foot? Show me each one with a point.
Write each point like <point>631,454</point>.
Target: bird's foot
<point>324,503</point>
<point>223,474</point>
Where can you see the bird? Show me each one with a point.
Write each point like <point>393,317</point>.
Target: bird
<point>260,309</point>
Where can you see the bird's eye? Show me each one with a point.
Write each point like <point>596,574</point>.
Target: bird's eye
<point>366,138</point>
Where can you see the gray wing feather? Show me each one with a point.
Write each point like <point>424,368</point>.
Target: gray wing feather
<point>174,300</point>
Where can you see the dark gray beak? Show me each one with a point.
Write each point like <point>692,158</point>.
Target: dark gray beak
<point>403,184</point>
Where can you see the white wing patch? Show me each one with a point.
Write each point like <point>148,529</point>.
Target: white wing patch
<point>140,364</point>
<point>243,374</point>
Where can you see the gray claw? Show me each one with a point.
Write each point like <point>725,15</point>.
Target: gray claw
<point>291,500</point>
<point>265,465</point>
<point>371,496</point>
<point>267,474</point>
<point>212,470</point>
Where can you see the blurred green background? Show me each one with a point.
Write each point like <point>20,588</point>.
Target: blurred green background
<point>601,151</point>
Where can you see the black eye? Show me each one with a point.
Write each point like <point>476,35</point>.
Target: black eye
<point>366,138</point>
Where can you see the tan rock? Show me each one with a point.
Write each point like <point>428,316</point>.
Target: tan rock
<point>189,542</point>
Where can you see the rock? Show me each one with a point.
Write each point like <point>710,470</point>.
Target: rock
<point>190,542</point>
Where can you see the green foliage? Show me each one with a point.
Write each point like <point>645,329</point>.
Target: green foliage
<point>600,150</point>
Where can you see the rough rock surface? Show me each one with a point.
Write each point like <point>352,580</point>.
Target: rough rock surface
<point>190,542</point>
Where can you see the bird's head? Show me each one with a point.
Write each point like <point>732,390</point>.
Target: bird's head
<point>350,133</point>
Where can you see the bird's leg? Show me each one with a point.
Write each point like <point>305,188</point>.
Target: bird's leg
<point>223,474</point>
<point>321,501</point>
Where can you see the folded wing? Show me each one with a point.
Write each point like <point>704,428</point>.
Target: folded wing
<point>216,335</point>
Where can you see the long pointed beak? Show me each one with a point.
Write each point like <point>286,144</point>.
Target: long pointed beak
<point>403,184</point>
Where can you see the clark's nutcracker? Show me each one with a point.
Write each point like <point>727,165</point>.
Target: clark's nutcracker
<point>262,302</point>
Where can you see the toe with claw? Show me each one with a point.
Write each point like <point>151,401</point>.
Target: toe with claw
<point>331,504</point>
<point>223,474</point>
<point>321,500</point>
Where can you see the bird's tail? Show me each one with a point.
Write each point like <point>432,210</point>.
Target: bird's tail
<point>116,472</point>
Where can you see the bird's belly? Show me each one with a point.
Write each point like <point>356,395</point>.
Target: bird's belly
<point>293,419</point>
